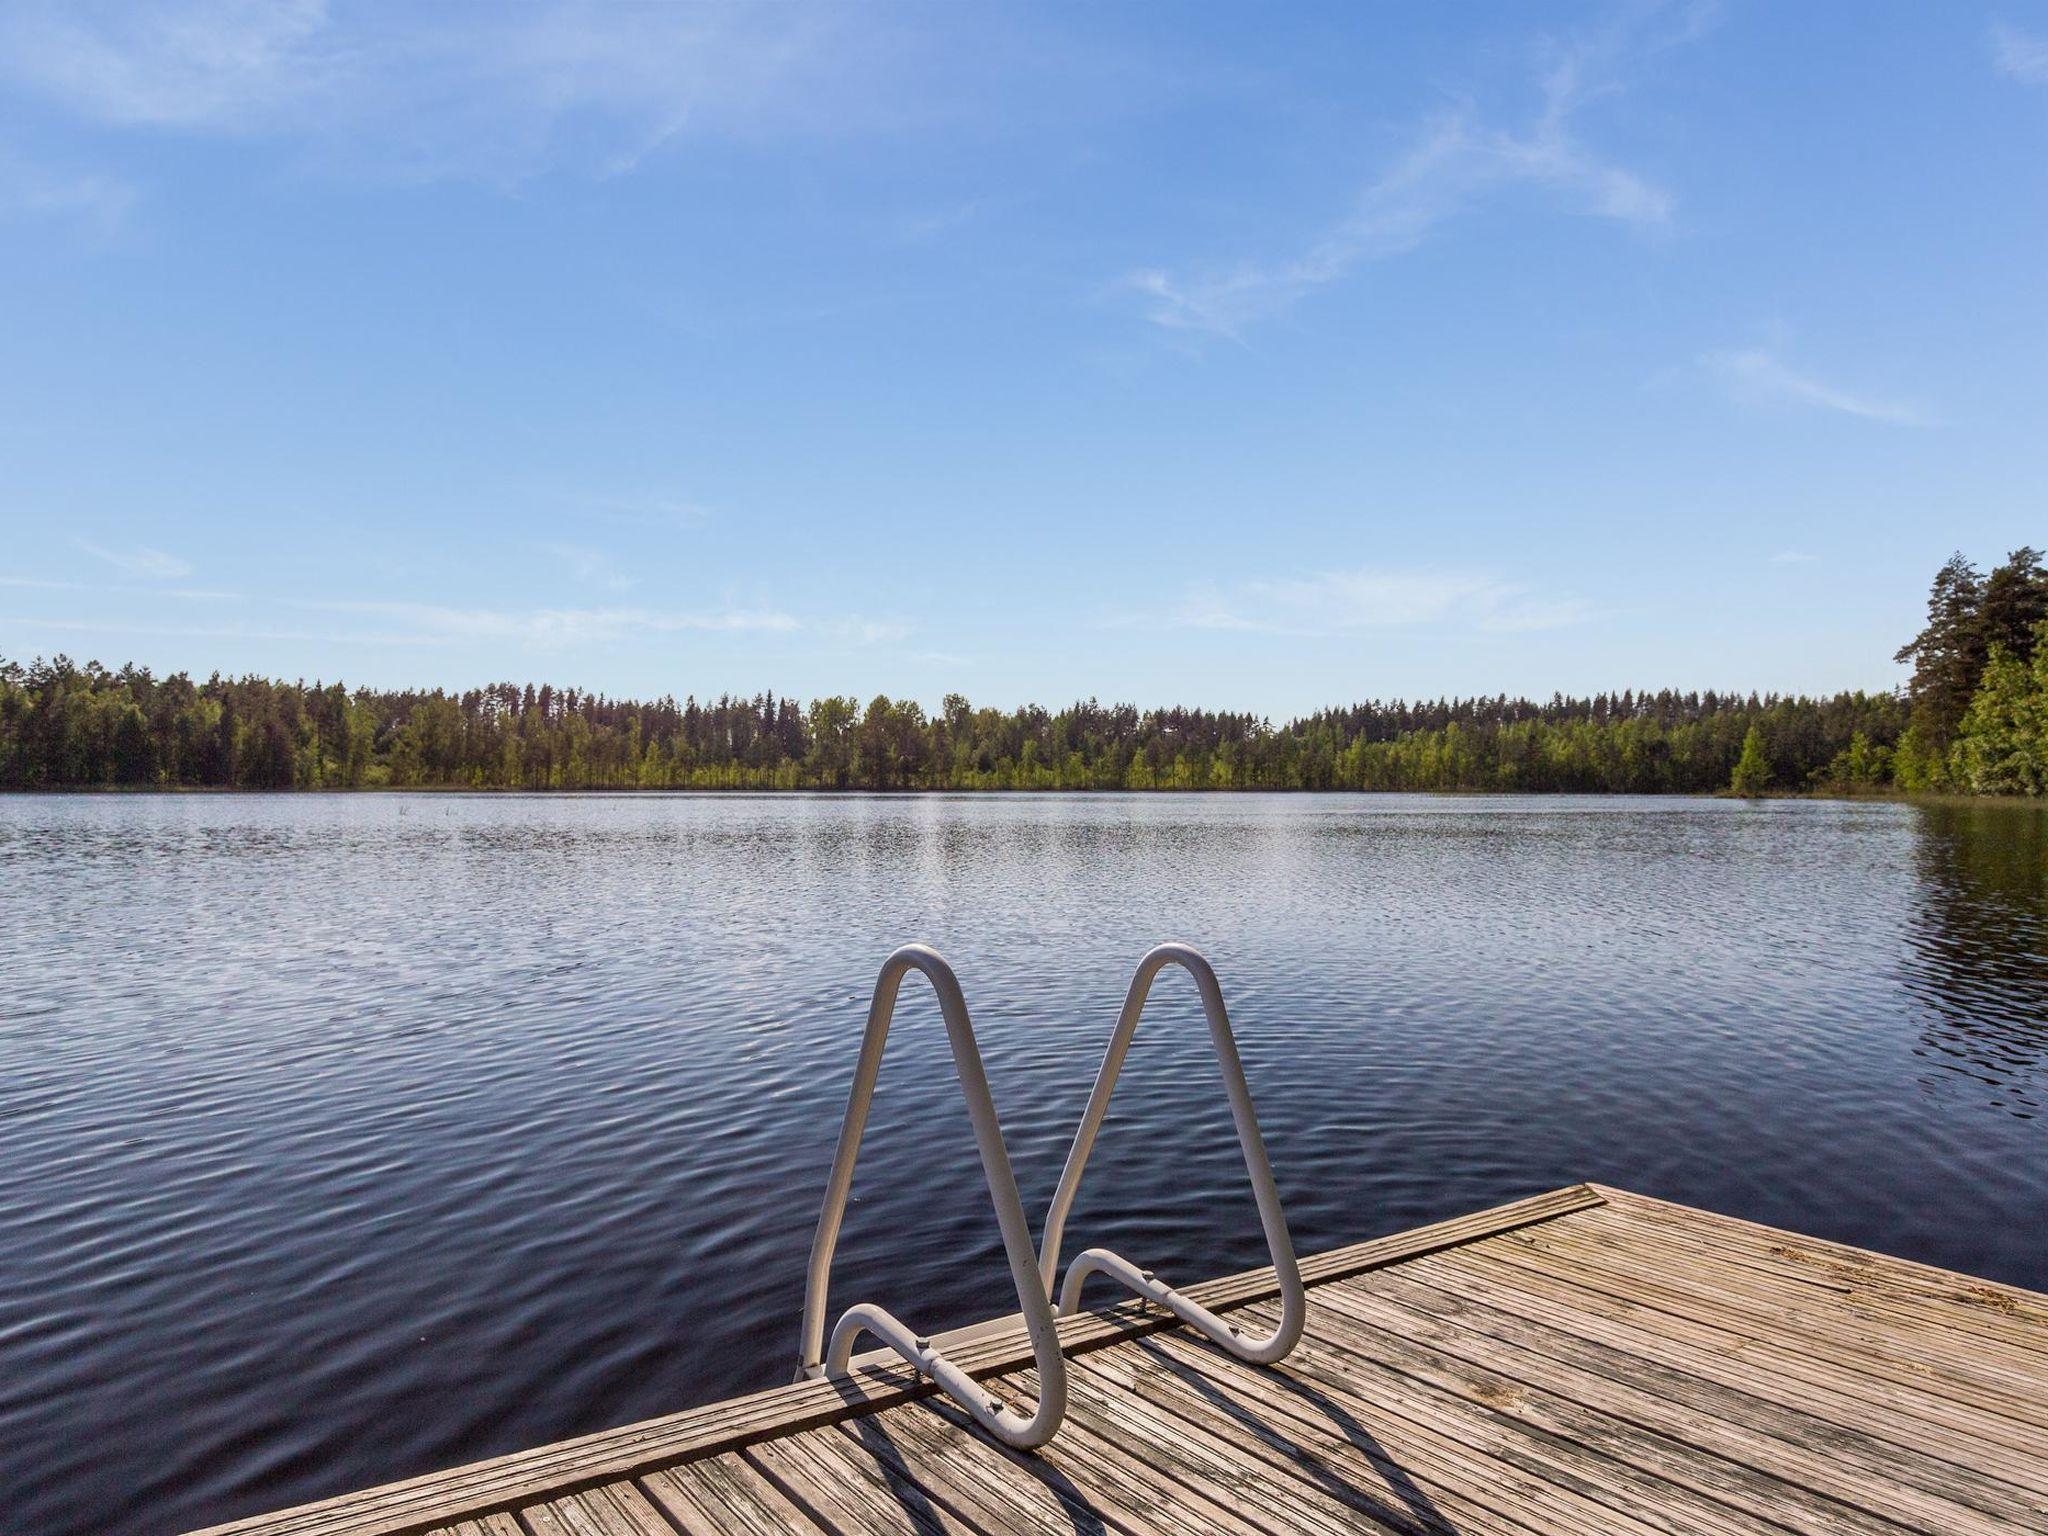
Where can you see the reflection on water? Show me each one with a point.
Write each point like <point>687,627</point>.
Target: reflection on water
<point>1978,961</point>
<point>346,1137</point>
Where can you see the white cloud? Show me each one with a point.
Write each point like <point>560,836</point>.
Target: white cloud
<point>1753,374</point>
<point>1792,557</point>
<point>1337,602</point>
<point>668,514</point>
<point>398,623</point>
<point>859,631</point>
<point>2022,55</point>
<point>120,589</point>
<point>210,63</point>
<point>100,203</point>
<point>926,225</point>
<point>465,89</point>
<point>33,625</point>
<point>139,560</point>
<point>1454,161</point>
<point>592,567</point>
<point>551,628</point>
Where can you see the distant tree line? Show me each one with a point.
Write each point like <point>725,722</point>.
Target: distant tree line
<point>1973,718</point>
<point>64,725</point>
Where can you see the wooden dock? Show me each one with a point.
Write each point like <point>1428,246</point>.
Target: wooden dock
<point>1584,1361</point>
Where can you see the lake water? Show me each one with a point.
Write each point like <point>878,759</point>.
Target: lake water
<point>343,1138</point>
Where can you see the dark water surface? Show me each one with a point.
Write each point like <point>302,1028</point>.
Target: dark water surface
<point>347,1137</point>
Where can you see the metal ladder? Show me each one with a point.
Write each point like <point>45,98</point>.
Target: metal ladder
<point>1033,1272</point>
<point>1279,1245</point>
<point>1006,1424</point>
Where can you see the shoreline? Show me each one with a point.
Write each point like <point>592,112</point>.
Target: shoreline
<point>1898,797</point>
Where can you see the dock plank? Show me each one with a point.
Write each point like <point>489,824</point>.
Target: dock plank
<point>1919,1406</point>
<point>723,1494</point>
<point>418,1504</point>
<point>1401,1472</point>
<point>1568,1449</point>
<point>1662,1412</point>
<point>1960,1302</point>
<point>1788,1326</point>
<point>1469,1298</point>
<point>1586,1360</point>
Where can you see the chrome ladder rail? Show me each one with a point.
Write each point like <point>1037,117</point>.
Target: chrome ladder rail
<point>1279,1244</point>
<point>1025,1432</point>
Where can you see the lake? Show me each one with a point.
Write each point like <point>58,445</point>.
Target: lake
<point>346,1137</point>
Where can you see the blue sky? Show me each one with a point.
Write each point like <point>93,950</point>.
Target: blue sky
<point>1250,356</point>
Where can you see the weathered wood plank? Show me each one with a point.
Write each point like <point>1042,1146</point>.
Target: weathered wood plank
<point>1880,1476</point>
<point>1938,1330</point>
<point>614,1510</point>
<point>1587,1360</point>
<point>2008,1312</point>
<point>723,1494</point>
<point>1886,1410</point>
<point>1213,1467</point>
<point>1560,1443</point>
<point>1397,1469</point>
<point>943,1436</point>
<point>908,1443</point>
<point>849,1491</point>
<point>441,1498</point>
<point>1815,1339</point>
<point>1469,1441</point>
<point>1085,1458</point>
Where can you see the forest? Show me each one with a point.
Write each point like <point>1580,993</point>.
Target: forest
<point>1973,718</point>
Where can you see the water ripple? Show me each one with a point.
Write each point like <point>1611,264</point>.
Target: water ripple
<point>346,1137</point>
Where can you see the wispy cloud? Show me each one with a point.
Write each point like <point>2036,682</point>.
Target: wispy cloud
<point>592,567</point>
<point>1754,374</point>
<point>486,90</point>
<point>1792,557</point>
<point>1342,601</point>
<point>859,631</point>
<point>563,627</point>
<point>550,628</point>
<point>32,624</point>
<point>928,224</point>
<point>119,589</point>
<point>2022,55</point>
<point>96,202</point>
<point>662,513</point>
<point>1455,160</point>
<point>138,560</point>
<point>388,622</point>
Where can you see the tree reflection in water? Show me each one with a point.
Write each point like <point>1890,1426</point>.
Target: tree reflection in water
<point>1977,947</point>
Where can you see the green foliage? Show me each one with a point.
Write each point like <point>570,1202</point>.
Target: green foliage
<point>1968,616</point>
<point>2015,603</point>
<point>63,725</point>
<point>1917,767</point>
<point>1859,767</point>
<point>1752,774</point>
<point>2001,747</point>
<point>1948,653</point>
<point>1973,718</point>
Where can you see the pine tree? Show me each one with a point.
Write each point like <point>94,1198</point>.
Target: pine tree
<point>1752,774</point>
<point>2015,602</point>
<point>1948,655</point>
<point>2002,745</point>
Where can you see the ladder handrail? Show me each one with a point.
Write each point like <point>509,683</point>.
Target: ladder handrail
<point>1279,1244</point>
<point>1033,1300</point>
